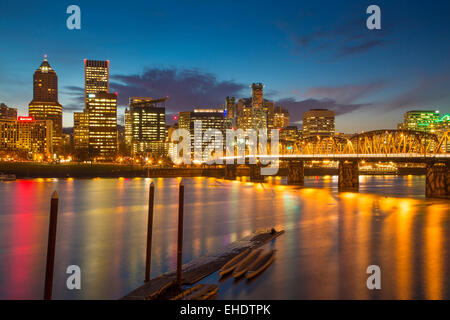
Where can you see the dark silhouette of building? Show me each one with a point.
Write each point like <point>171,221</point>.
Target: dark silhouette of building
<point>7,113</point>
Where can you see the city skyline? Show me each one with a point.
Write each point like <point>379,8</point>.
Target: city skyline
<point>309,58</point>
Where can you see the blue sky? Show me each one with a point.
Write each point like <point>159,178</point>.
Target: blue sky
<point>307,53</point>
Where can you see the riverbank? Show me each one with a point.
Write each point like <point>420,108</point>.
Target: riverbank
<point>99,170</point>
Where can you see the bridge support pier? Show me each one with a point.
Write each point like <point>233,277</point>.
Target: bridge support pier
<point>437,180</point>
<point>348,176</point>
<point>255,173</point>
<point>230,171</point>
<point>296,173</point>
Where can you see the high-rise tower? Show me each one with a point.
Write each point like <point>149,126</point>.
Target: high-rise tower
<point>45,105</point>
<point>96,76</point>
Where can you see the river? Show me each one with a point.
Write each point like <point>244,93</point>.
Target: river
<point>330,240</point>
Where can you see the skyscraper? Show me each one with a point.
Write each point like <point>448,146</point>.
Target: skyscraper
<point>230,107</point>
<point>96,76</point>
<point>148,125</point>
<point>101,108</point>
<point>318,122</point>
<point>257,95</point>
<point>45,105</point>
<point>209,119</point>
<point>259,114</point>
<point>81,131</point>
<point>281,118</point>
<point>128,127</point>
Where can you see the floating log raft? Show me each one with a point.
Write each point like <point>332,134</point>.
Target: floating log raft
<point>201,267</point>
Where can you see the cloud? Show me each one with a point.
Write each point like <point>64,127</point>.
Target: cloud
<point>345,94</point>
<point>297,107</point>
<point>186,88</point>
<point>360,48</point>
<point>428,92</point>
<point>338,40</point>
<point>76,98</point>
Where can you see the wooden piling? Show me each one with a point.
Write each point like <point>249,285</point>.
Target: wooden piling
<point>180,234</point>
<point>148,259</point>
<point>51,247</point>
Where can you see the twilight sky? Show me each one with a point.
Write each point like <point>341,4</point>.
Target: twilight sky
<point>309,54</point>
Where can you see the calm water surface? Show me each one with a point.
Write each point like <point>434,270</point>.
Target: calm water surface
<point>330,237</point>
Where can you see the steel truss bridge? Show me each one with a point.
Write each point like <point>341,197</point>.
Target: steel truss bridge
<point>377,146</point>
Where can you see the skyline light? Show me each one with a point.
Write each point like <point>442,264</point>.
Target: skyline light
<point>306,55</point>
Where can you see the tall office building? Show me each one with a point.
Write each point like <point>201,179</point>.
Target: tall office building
<point>420,120</point>
<point>96,76</point>
<point>230,107</point>
<point>100,113</point>
<point>45,105</point>
<point>101,108</point>
<point>7,113</point>
<point>128,127</point>
<point>281,118</point>
<point>257,95</point>
<point>209,118</point>
<point>148,125</point>
<point>81,131</point>
<point>269,108</point>
<point>259,114</point>
<point>318,122</point>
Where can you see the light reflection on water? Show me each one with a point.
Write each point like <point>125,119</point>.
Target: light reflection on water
<point>330,237</point>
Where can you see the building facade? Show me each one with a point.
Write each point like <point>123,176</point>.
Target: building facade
<point>96,77</point>
<point>148,125</point>
<point>98,122</point>
<point>45,105</point>
<point>318,122</point>
<point>420,120</point>
<point>7,113</point>
<point>101,108</point>
<point>128,127</point>
<point>34,138</point>
<point>281,118</point>
<point>81,131</point>
<point>209,119</point>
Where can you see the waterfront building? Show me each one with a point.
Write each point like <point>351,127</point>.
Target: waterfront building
<point>29,136</point>
<point>45,105</point>
<point>101,108</point>
<point>281,118</point>
<point>7,113</point>
<point>318,122</point>
<point>420,120</point>
<point>210,119</point>
<point>148,125</point>
<point>290,133</point>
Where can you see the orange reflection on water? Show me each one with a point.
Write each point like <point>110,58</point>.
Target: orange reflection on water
<point>434,243</point>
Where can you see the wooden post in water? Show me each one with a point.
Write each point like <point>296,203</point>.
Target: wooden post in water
<point>180,234</point>
<point>148,259</point>
<point>51,247</point>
